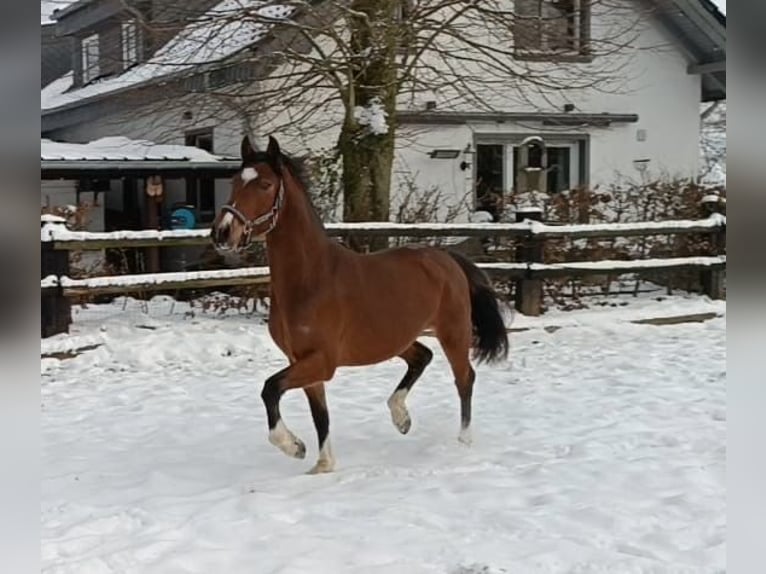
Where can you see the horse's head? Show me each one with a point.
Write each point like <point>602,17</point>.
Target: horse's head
<point>256,199</point>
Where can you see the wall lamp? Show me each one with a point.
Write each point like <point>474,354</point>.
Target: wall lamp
<point>641,164</point>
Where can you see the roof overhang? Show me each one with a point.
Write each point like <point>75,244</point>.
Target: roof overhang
<point>548,119</point>
<point>700,28</point>
<point>115,169</point>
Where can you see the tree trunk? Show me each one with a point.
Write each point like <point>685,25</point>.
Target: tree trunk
<point>366,143</point>
<point>367,163</point>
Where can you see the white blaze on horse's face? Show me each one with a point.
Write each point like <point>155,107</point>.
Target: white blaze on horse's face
<point>227,229</point>
<point>249,174</point>
<point>227,218</point>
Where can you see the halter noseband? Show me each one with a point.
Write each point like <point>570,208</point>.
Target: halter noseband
<point>250,224</point>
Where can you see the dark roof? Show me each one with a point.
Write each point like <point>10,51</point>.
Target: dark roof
<point>700,28</point>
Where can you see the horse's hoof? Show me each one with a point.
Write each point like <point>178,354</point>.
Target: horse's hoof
<point>399,415</point>
<point>322,467</point>
<point>465,437</point>
<point>403,425</point>
<point>298,450</point>
<point>286,441</point>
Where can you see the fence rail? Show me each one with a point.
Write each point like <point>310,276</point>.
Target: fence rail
<point>63,238</point>
<point>252,275</point>
<point>528,271</point>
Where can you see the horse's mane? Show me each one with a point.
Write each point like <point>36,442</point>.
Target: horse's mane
<point>298,168</point>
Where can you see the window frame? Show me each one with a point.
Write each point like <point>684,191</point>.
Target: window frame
<point>579,145</point>
<point>90,58</point>
<point>578,33</point>
<point>129,43</point>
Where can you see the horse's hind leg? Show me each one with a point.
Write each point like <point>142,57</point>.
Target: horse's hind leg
<point>457,348</point>
<point>417,357</point>
<point>318,405</point>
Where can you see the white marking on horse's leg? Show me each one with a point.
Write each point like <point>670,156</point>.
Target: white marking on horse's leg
<point>465,436</point>
<point>249,174</point>
<point>281,437</point>
<point>399,414</point>
<point>326,461</point>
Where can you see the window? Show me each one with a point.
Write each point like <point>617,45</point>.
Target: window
<point>403,10</point>
<point>490,180</point>
<point>403,15</point>
<point>129,44</point>
<point>89,54</point>
<point>552,27</point>
<point>200,191</point>
<point>499,168</point>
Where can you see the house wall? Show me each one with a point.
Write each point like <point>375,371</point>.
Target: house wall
<point>55,56</point>
<point>650,80</point>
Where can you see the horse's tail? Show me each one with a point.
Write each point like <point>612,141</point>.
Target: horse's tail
<point>490,336</point>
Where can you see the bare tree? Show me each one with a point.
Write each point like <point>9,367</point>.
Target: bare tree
<point>713,143</point>
<point>318,64</point>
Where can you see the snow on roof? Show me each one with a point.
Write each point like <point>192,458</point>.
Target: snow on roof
<point>48,7</point>
<point>121,149</point>
<point>221,32</point>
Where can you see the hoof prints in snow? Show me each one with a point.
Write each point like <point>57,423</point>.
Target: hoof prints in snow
<point>606,454</point>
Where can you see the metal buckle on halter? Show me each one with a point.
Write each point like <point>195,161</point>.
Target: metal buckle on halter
<point>250,224</point>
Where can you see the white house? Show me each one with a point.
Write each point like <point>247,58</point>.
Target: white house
<point>650,122</point>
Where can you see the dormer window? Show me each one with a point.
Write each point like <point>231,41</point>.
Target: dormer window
<point>89,54</point>
<point>129,44</point>
<point>552,27</point>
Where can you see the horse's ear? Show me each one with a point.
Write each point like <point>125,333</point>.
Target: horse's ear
<point>273,151</point>
<point>247,151</point>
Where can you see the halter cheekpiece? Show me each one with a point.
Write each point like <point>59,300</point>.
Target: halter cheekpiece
<point>251,224</point>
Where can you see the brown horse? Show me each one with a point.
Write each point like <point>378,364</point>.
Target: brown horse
<point>331,306</point>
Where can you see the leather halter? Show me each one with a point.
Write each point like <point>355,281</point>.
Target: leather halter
<point>250,224</point>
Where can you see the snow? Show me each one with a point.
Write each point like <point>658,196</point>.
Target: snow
<point>50,218</point>
<point>49,281</point>
<point>713,198</point>
<point>372,116</point>
<point>721,5</point>
<point>47,7</point>
<point>532,140</point>
<point>597,448</point>
<point>616,265</point>
<point>480,217</point>
<point>532,200</point>
<point>53,232</point>
<point>156,278</point>
<point>119,148</point>
<point>184,276</point>
<point>58,233</point>
<point>715,220</point>
<point>227,28</point>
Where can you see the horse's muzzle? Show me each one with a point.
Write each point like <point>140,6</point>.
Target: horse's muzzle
<point>220,236</point>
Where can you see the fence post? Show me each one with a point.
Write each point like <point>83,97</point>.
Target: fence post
<point>529,292</point>
<point>712,280</point>
<point>55,310</point>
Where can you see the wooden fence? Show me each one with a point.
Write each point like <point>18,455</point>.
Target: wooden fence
<point>527,271</point>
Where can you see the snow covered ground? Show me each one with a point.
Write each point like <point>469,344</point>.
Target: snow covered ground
<point>599,447</point>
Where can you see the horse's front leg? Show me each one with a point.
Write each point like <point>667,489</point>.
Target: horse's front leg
<point>305,371</point>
